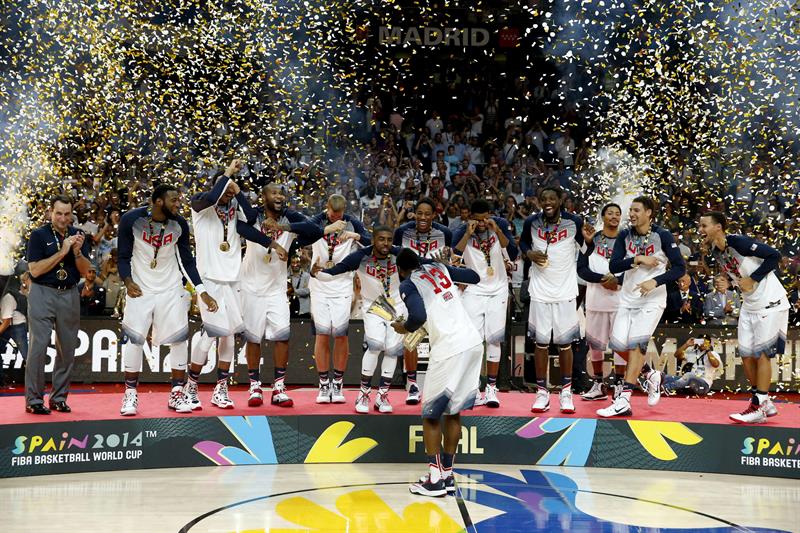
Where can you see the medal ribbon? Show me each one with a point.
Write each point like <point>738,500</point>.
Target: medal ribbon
<point>222,214</point>
<point>60,243</point>
<point>383,274</point>
<point>156,247</point>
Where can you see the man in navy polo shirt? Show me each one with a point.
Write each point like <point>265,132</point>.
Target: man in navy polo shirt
<point>57,259</point>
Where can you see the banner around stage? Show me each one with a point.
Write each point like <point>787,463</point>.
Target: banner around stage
<point>68,447</point>
<point>99,359</point>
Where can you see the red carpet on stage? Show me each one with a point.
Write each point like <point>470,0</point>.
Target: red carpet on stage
<point>103,402</point>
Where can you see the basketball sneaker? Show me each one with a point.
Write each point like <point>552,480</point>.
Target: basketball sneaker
<point>362,402</point>
<point>220,397</point>
<point>479,399</point>
<point>413,394</point>
<point>129,403</point>
<point>192,398</point>
<point>256,394</point>
<point>653,387</point>
<point>337,395</point>
<point>597,392</point>
<point>491,396</point>
<point>425,487</point>
<point>449,482</point>
<point>324,395</point>
<point>754,414</point>
<point>279,396</point>
<point>769,408</point>
<point>382,404</point>
<point>621,406</point>
<point>177,401</point>
<point>565,401</point>
<point>542,402</point>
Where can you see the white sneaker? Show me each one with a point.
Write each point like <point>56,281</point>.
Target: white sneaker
<point>565,401</point>
<point>597,392</point>
<point>769,408</point>
<point>479,399</point>
<point>256,394</point>
<point>382,404</point>
<point>653,388</point>
<point>324,395</point>
<point>279,396</point>
<point>621,406</point>
<point>177,401</point>
<point>192,398</point>
<point>754,414</point>
<point>337,395</point>
<point>542,402</point>
<point>413,394</point>
<point>491,396</point>
<point>129,403</point>
<point>220,397</point>
<point>362,403</point>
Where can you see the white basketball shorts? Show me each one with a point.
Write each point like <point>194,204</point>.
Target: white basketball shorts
<point>633,328</point>
<point>488,313</point>
<point>762,332</point>
<point>227,320</point>
<point>451,384</point>
<point>556,321</point>
<point>167,312</point>
<point>331,316</point>
<point>265,317</point>
<point>379,334</point>
<point>598,328</point>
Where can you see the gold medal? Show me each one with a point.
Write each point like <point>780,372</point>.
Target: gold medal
<point>61,274</point>
<point>225,246</point>
<point>490,271</point>
<point>329,264</point>
<point>268,257</point>
<point>153,263</point>
<point>546,263</point>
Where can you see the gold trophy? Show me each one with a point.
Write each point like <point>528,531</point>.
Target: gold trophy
<point>384,308</point>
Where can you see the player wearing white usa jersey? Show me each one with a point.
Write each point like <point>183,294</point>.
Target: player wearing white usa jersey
<point>376,269</point>
<point>219,217</point>
<point>451,382</point>
<point>650,258</point>
<point>425,237</point>
<point>602,300</point>
<point>265,304</point>
<point>331,299</point>
<point>764,317</point>
<point>551,240</point>
<point>152,241</point>
<point>481,242</point>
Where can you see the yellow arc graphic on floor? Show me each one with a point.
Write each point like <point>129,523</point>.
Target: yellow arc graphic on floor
<point>653,437</point>
<point>331,448</point>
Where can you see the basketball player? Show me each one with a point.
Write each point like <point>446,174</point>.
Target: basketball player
<point>602,300</point>
<point>551,240</point>
<point>642,252</point>
<point>764,316</point>
<point>331,298</point>
<point>376,268</point>
<point>219,217</point>
<point>265,304</point>
<point>451,383</point>
<point>150,240</point>
<point>481,241</point>
<point>425,237</point>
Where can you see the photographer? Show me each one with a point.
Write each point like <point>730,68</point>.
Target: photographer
<point>699,366</point>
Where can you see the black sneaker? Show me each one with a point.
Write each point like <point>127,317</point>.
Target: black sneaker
<point>450,484</point>
<point>427,488</point>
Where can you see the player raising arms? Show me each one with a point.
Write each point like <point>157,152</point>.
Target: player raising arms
<point>451,383</point>
<point>481,241</point>
<point>151,243</point>
<point>602,299</point>
<point>764,317</point>
<point>550,240</point>
<point>219,216</point>
<point>376,268</point>
<point>642,252</point>
<point>265,304</point>
<point>425,237</point>
<point>331,299</point>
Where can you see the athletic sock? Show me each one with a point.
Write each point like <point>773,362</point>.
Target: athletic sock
<point>761,397</point>
<point>177,382</point>
<point>338,375</point>
<point>280,374</point>
<point>366,383</point>
<point>324,378</point>
<point>491,380</point>
<point>541,384</point>
<point>254,375</point>
<point>566,382</point>
<point>222,375</point>
<point>411,376</point>
<point>385,383</point>
<point>194,376</point>
<point>435,468</point>
<point>646,369</point>
<point>447,464</point>
<point>132,383</point>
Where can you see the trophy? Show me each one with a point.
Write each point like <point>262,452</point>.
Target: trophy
<point>384,308</point>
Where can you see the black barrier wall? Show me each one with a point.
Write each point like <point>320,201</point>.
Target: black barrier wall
<point>99,355</point>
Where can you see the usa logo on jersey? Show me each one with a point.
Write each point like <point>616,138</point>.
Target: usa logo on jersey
<point>423,247</point>
<point>650,250</point>
<point>372,271</point>
<point>555,237</point>
<point>153,239</point>
<point>476,243</point>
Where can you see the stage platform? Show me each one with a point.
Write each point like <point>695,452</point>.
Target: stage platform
<point>679,434</point>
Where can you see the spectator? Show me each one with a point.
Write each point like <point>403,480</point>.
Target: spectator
<point>684,301</point>
<point>93,295</point>
<point>721,306</point>
<point>297,289</point>
<point>699,366</point>
<point>110,279</point>
<point>13,317</point>
<point>565,148</point>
